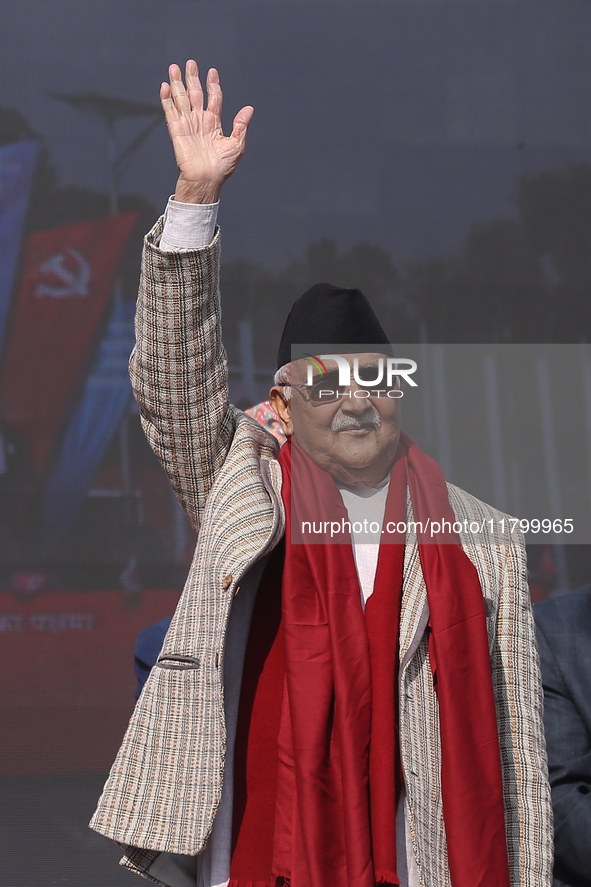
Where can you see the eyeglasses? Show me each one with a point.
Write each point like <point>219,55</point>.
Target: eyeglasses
<point>326,390</point>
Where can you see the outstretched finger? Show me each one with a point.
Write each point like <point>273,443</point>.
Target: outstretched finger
<point>170,112</point>
<point>241,124</point>
<point>194,89</point>
<point>178,91</point>
<point>214,94</point>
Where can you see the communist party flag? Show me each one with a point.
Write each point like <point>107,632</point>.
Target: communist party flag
<point>68,279</point>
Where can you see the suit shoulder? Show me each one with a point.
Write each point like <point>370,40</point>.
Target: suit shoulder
<point>250,433</point>
<point>466,505</point>
<point>570,611</point>
<point>488,536</point>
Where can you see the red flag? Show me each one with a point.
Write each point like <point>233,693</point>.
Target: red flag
<point>68,279</point>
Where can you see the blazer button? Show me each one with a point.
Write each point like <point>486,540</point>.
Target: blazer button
<point>227,581</point>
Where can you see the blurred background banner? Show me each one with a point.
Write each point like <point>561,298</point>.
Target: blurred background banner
<point>68,279</point>
<point>65,705</point>
<point>17,164</point>
<point>107,391</point>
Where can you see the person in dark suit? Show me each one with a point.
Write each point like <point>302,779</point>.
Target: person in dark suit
<point>147,648</point>
<point>563,627</point>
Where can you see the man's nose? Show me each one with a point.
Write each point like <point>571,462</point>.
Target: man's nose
<point>353,400</point>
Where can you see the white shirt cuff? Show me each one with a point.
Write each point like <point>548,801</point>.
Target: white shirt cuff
<point>188,225</point>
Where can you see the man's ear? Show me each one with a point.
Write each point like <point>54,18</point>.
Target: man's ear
<point>283,409</point>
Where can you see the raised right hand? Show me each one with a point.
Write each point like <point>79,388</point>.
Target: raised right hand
<point>204,155</point>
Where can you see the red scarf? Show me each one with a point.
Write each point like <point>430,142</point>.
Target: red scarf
<point>316,760</point>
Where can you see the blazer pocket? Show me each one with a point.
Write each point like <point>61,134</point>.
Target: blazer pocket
<point>177,662</point>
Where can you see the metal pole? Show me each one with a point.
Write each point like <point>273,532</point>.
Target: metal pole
<point>129,507</point>
<point>114,197</point>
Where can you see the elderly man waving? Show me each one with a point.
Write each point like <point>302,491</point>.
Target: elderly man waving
<point>351,707</point>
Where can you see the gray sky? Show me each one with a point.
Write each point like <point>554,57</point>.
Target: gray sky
<point>394,122</point>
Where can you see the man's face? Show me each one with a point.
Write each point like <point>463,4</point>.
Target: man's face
<point>353,437</point>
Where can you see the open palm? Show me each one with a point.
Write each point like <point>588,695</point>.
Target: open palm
<point>204,155</point>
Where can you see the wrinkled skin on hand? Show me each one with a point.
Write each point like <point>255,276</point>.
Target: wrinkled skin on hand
<point>204,155</point>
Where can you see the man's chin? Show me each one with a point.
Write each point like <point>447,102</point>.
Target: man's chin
<point>356,450</point>
<point>349,466</point>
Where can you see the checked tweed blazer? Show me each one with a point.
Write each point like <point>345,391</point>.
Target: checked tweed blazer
<point>166,782</point>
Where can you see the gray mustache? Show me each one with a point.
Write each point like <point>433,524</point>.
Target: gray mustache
<point>341,422</point>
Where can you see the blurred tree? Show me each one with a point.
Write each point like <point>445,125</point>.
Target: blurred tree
<point>517,280</point>
<point>15,128</point>
<point>555,208</point>
<point>493,292</point>
<point>523,279</point>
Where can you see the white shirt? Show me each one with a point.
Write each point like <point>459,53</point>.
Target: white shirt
<point>188,225</point>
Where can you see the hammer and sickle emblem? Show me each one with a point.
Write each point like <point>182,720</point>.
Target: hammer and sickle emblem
<point>74,280</point>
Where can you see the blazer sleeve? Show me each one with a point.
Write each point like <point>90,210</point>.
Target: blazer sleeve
<point>569,757</point>
<point>178,367</point>
<point>518,692</point>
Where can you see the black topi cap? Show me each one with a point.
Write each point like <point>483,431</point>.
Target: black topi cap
<point>331,315</point>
